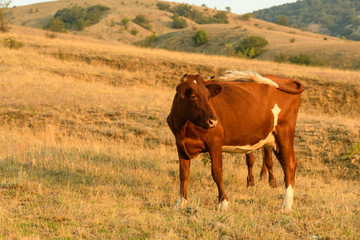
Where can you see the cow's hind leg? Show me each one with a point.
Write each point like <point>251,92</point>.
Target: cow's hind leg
<point>217,174</point>
<point>268,162</point>
<point>250,159</point>
<point>286,156</point>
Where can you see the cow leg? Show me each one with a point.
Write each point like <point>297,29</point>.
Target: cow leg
<point>184,164</point>
<point>217,174</point>
<point>268,161</point>
<point>286,157</point>
<point>264,169</point>
<point>250,163</point>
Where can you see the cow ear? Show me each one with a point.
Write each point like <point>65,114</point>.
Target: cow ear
<point>209,78</point>
<point>184,78</point>
<point>180,89</point>
<point>214,89</point>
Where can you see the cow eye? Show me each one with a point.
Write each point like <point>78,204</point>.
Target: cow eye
<point>192,97</point>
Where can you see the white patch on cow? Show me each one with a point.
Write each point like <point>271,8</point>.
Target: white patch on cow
<point>288,199</point>
<point>223,206</point>
<point>268,142</point>
<point>180,202</point>
<point>195,81</point>
<point>247,76</point>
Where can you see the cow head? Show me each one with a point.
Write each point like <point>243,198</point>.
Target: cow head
<point>194,96</point>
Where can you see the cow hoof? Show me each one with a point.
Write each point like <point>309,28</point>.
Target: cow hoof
<point>223,206</point>
<point>288,199</point>
<point>180,202</point>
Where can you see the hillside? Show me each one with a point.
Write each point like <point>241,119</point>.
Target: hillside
<point>223,38</point>
<point>336,18</point>
<point>86,152</point>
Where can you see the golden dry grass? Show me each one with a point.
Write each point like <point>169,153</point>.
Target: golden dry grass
<point>85,152</point>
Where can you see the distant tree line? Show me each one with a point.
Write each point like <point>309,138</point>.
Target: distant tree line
<point>187,11</point>
<point>75,18</point>
<point>337,17</point>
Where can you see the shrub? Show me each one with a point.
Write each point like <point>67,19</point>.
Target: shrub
<point>179,22</point>
<point>50,35</point>
<point>246,17</point>
<point>142,21</point>
<point>283,21</point>
<point>200,37</point>
<point>76,18</point>
<point>220,17</point>
<point>134,31</point>
<point>281,58</point>
<point>148,42</point>
<point>292,40</point>
<point>251,47</point>
<point>163,6</point>
<point>125,22</point>
<point>301,59</point>
<point>13,43</point>
<point>56,25</point>
<point>4,27</point>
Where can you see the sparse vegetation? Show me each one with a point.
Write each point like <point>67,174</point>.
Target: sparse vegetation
<point>200,37</point>
<point>148,42</point>
<point>4,4</point>
<point>142,21</point>
<point>76,18</point>
<point>12,43</point>
<point>251,47</point>
<point>301,59</point>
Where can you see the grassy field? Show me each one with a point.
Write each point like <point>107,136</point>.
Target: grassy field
<point>85,151</point>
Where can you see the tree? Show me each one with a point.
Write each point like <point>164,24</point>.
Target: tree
<point>200,37</point>
<point>56,25</point>
<point>283,20</point>
<point>4,4</point>
<point>228,9</point>
<point>252,46</point>
<point>125,22</point>
<point>142,21</point>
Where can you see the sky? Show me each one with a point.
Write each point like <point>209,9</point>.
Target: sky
<point>237,6</point>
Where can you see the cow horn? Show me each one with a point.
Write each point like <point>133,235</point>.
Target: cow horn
<point>209,78</point>
<point>183,78</point>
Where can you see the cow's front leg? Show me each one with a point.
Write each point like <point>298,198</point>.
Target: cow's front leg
<point>184,164</point>
<point>217,174</point>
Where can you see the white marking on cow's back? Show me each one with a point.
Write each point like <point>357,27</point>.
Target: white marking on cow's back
<point>195,81</point>
<point>247,76</point>
<point>223,206</point>
<point>268,142</point>
<point>288,198</point>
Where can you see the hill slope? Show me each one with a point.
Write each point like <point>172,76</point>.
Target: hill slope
<point>223,38</point>
<point>336,18</point>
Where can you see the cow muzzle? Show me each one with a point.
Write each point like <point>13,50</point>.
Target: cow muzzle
<point>212,123</point>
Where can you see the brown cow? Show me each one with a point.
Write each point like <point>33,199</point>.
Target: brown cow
<point>219,116</point>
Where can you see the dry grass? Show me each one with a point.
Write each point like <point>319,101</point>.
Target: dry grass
<point>85,151</point>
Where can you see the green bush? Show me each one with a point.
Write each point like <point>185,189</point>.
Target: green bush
<point>301,59</point>
<point>251,47</point>
<point>246,17</point>
<point>134,31</point>
<point>125,22</point>
<point>148,42</point>
<point>76,18</point>
<point>200,37</point>
<point>163,6</point>
<point>56,25</point>
<point>220,17</point>
<point>13,43</point>
<point>179,22</point>
<point>142,21</point>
